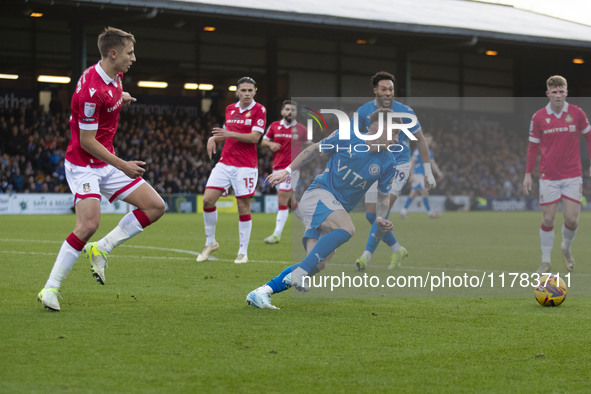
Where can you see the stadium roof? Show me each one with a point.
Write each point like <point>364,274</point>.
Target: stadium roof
<point>441,17</point>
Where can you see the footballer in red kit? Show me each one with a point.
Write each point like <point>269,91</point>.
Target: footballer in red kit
<point>93,170</point>
<point>555,130</point>
<point>285,139</point>
<point>244,124</point>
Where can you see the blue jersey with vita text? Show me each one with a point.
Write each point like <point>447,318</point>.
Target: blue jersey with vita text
<point>351,170</point>
<point>370,107</point>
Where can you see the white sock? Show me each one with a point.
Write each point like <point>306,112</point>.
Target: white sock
<point>267,289</point>
<point>128,227</point>
<point>367,254</point>
<point>64,262</point>
<point>244,229</point>
<point>210,219</point>
<point>547,240</point>
<point>568,236</point>
<point>395,248</point>
<point>282,215</point>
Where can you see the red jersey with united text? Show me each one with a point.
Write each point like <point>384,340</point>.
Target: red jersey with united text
<point>559,138</point>
<point>252,118</point>
<point>96,104</point>
<point>290,137</point>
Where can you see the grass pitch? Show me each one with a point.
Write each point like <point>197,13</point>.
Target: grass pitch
<point>164,323</point>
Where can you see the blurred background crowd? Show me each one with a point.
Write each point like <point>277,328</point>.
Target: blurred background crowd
<point>477,155</point>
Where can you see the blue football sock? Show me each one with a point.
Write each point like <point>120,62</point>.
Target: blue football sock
<point>427,205</point>
<point>371,217</point>
<point>376,234</point>
<point>277,282</point>
<point>408,202</point>
<point>325,246</point>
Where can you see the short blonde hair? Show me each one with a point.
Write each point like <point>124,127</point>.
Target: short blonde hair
<point>556,80</point>
<point>112,38</point>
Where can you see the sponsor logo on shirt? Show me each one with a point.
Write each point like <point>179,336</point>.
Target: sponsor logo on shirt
<point>556,130</point>
<point>248,122</point>
<point>117,105</point>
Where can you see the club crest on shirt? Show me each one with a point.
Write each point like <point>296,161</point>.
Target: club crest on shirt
<point>374,169</point>
<point>86,187</point>
<point>247,115</point>
<point>89,109</point>
<point>569,118</point>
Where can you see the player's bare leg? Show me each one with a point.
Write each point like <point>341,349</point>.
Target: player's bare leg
<point>570,211</point>
<point>284,203</point>
<point>547,236</point>
<point>150,208</point>
<point>244,228</point>
<point>210,219</point>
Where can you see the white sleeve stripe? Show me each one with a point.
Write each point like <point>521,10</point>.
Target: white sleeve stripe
<point>587,129</point>
<point>259,129</point>
<point>534,140</point>
<point>88,126</point>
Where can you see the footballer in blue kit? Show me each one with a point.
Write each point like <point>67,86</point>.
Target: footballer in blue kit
<point>417,185</point>
<point>353,166</point>
<point>383,86</point>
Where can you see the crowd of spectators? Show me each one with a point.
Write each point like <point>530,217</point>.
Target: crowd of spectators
<point>172,143</point>
<point>478,155</point>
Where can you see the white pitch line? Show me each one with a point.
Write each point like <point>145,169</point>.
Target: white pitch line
<point>212,258</point>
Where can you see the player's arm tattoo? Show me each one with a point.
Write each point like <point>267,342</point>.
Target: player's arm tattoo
<point>306,156</point>
<point>383,205</point>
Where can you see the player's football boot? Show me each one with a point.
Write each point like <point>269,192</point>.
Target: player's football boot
<point>207,251</point>
<point>434,215</point>
<point>49,299</point>
<point>272,239</point>
<point>260,299</point>
<point>361,263</point>
<point>241,259</point>
<point>403,215</point>
<point>569,261</point>
<point>397,258</point>
<point>544,268</point>
<point>296,279</point>
<point>98,261</point>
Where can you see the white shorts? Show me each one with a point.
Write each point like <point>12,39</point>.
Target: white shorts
<point>398,182</point>
<point>418,182</point>
<point>290,183</point>
<point>242,179</point>
<point>552,192</point>
<point>316,205</point>
<point>87,182</point>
